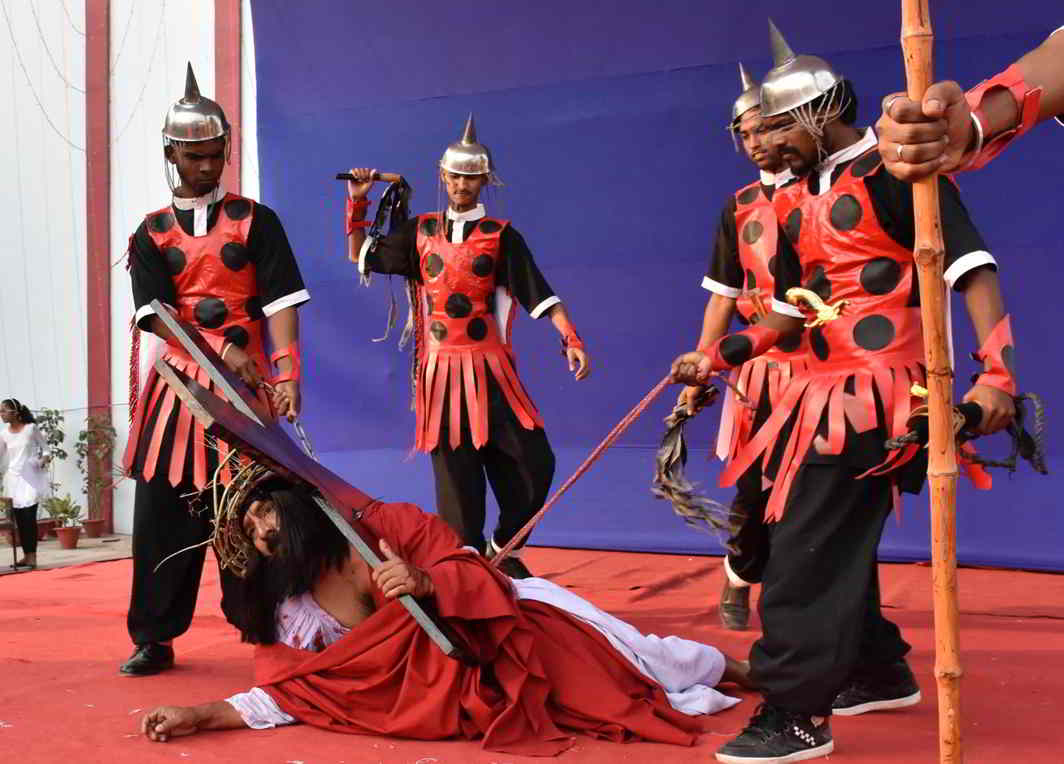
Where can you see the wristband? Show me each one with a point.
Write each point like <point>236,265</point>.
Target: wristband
<point>356,213</point>
<point>295,373</point>
<point>1027,102</point>
<point>996,355</point>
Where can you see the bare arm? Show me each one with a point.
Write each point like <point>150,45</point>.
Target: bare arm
<point>166,722</point>
<point>283,327</point>
<point>733,349</point>
<point>715,322</point>
<point>982,296</point>
<point>579,361</point>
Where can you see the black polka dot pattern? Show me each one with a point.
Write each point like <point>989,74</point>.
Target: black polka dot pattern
<point>749,195</point>
<point>477,329</point>
<point>772,263</point>
<point>162,222</point>
<point>736,349</point>
<point>873,332</point>
<point>788,343</point>
<point>865,164</point>
<point>438,331</point>
<point>752,231</point>
<point>483,265</point>
<point>489,226</point>
<point>235,256</point>
<point>429,226</point>
<point>751,280</point>
<point>433,265</point>
<point>253,307</point>
<point>819,344</point>
<point>846,212</point>
<point>175,260</point>
<point>237,209</point>
<point>238,335</point>
<point>818,282</point>
<point>458,305</point>
<point>430,302</point>
<point>211,312</point>
<point>793,226</point>
<point>880,275</point>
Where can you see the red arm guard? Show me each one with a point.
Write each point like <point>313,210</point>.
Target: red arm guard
<point>570,339</point>
<point>1027,100</point>
<point>294,374</point>
<point>997,357</point>
<point>356,214</point>
<point>734,350</point>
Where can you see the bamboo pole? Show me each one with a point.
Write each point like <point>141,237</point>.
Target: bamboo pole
<point>916,40</point>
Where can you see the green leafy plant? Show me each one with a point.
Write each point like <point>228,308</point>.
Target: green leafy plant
<point>65,511</point>
<point>50,425</point>
<point>95,443</point>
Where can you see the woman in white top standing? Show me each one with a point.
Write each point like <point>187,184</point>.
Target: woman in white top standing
<point>23,458</point>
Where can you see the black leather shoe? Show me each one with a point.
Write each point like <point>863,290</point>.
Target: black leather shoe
<point>734,606</point>
<point>149,658</point>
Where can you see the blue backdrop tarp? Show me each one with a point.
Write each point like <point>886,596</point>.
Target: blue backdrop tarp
<point>606,122</point>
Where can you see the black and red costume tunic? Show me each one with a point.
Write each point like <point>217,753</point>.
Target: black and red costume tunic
<point>473,414</point>
<point>223,264</point>
<point>742,268</point>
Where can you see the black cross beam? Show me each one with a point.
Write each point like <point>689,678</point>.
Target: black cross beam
<point>243,422</point>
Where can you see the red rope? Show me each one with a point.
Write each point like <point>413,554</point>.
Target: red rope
<point>608,441</point>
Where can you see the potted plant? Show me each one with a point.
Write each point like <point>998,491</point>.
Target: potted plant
<point>66,512</point>
<point>50,425</point>
<point>96,443</point>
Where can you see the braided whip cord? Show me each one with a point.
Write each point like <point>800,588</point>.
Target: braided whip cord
<point>1030,446</point>
<point>608,441</point>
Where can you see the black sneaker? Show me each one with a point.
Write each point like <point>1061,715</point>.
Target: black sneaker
<point>891,687</point>
<point>775,736</point>
<point>149,658</point>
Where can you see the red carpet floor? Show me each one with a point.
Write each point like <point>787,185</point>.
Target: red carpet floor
<point>62,636</point>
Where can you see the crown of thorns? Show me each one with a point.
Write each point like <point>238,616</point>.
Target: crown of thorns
<point>232,546</point>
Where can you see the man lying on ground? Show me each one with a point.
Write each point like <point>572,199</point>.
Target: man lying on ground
<point>335,650</point>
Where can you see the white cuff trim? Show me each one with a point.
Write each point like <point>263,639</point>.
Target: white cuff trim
<point>722,289</point>
<point>733,577</point>
<point>967,262</point>
<point>147,310</point>
<point>786,309</point>
<point>369,241</point>
<point>288,301</point>
<point>544,306</point>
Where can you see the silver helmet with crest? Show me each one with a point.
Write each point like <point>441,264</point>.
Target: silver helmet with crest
<point>749,98</point>
<point>192,119</point>
<point>467,156</point>
<point>793,81</point>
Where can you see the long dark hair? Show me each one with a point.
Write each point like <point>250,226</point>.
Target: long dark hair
<point>25,416</point>
<point>308,544</point>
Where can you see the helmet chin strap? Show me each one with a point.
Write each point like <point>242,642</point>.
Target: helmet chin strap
<point>814,118</point>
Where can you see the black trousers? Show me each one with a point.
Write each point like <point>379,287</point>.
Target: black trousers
<point>748,546</point>
<point>162,602</point>
<point>518,462</point>
<point>819,606</point>
<point>26,521</point>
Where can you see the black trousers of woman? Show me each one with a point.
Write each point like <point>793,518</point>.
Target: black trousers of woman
<point>26,521</point>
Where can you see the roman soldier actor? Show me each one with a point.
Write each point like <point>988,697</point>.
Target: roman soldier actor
<point>473,414</point>
<point>222,263</point>
<point>740,280</point>
<point>846,237</point>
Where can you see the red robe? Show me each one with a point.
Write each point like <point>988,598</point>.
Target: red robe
<point>541,675</point>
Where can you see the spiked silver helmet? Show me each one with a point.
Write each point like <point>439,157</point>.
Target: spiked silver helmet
<point>194,117</point>
<point>793,80</point>
<point>747,100</point>
<point>466,156</point>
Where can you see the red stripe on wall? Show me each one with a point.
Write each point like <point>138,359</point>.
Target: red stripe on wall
<point>98,225</point>
<point>227,41</point>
